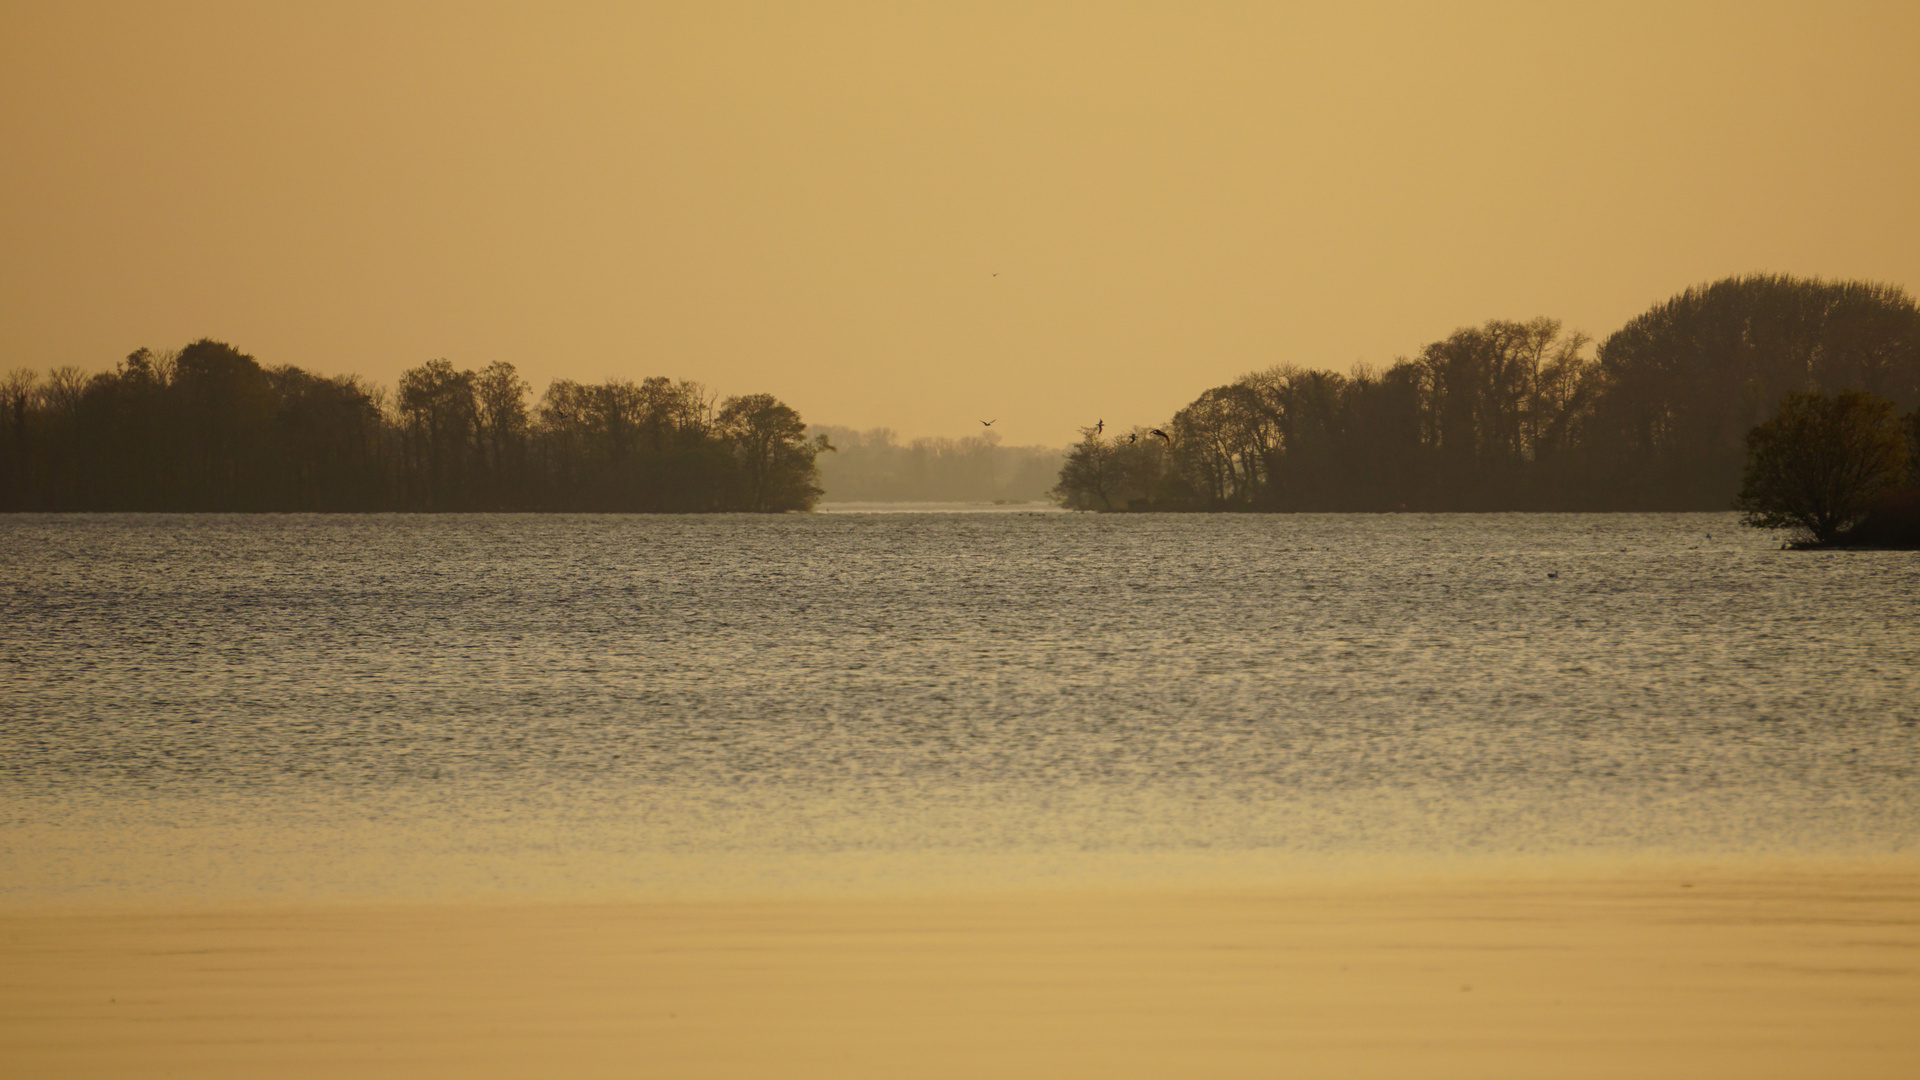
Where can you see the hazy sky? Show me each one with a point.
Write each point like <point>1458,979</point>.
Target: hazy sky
<point>815,201</point>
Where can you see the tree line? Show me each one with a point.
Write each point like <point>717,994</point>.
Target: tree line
<point>211,428</point>
<point>1520,415</point>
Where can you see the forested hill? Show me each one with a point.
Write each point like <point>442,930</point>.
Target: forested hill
<point>1520,416</point>
<point>212,429</point>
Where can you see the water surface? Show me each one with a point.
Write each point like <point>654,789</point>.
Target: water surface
<point>260,705</point>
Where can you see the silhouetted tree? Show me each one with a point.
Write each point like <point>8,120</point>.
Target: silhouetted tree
<point>1820,462</point>
<point>1382,460</point>
<point>1687,380</point>
<point>223,417</point>
<point>330,445</point>
<point>19,468</point>
<point>440,422</point>
<point>776,458</point>
<point>649,446</point>
<point>1091,478</point>
<point>1496,400</point>
<point>1225,441</point>
<point>211,429</point>
<point>1516,416</point>
<point>501,425</point>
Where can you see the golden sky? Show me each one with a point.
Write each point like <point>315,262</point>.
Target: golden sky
<point>888,215</point>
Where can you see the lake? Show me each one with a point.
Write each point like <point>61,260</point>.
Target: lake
<point>256,706</point>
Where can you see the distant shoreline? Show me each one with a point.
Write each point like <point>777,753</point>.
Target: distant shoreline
<point>854,507</point>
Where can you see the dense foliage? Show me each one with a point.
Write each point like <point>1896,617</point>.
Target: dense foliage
<point>1518,416</point>
<point>212,429</point>
<point>1820,463</point>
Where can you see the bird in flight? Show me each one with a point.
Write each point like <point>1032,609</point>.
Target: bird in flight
<point>1163,435</point>
<point>1132,437</point>
<point>989,423</point>
<point>1099,426</point>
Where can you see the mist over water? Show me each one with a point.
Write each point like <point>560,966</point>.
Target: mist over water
<point>448,705</point>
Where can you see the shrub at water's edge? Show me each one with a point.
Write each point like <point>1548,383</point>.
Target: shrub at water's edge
<point>211,429</point>
<point>1825,467</point>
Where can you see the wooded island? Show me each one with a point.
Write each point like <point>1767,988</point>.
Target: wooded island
<point>1519,416</point>
<point>210,428</point>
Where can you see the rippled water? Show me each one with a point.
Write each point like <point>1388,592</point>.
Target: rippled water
<point>464,703</point>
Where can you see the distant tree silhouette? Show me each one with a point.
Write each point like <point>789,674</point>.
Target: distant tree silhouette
<point>1490,418</point>
<point>501,426</point>
<point>1687,380</point>
<point>1500,402</point>
<point>1091,477</point>
<point>1227,442</point>
<point>211,429</point>
<point>1501,416</point>
<point>440,425</point>
<point>1518,416</point>
<point>18,468</point>
<point>329,446</point>
<point>649,446</point>
<point>776,458</point>
<point>224,414</point>
<point>1820,463</point>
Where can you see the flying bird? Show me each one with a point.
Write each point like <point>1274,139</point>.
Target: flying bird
<point>1132,437</point>
<point>989,423</point>
<point>1163,435</point>
<point>1099,426</point>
